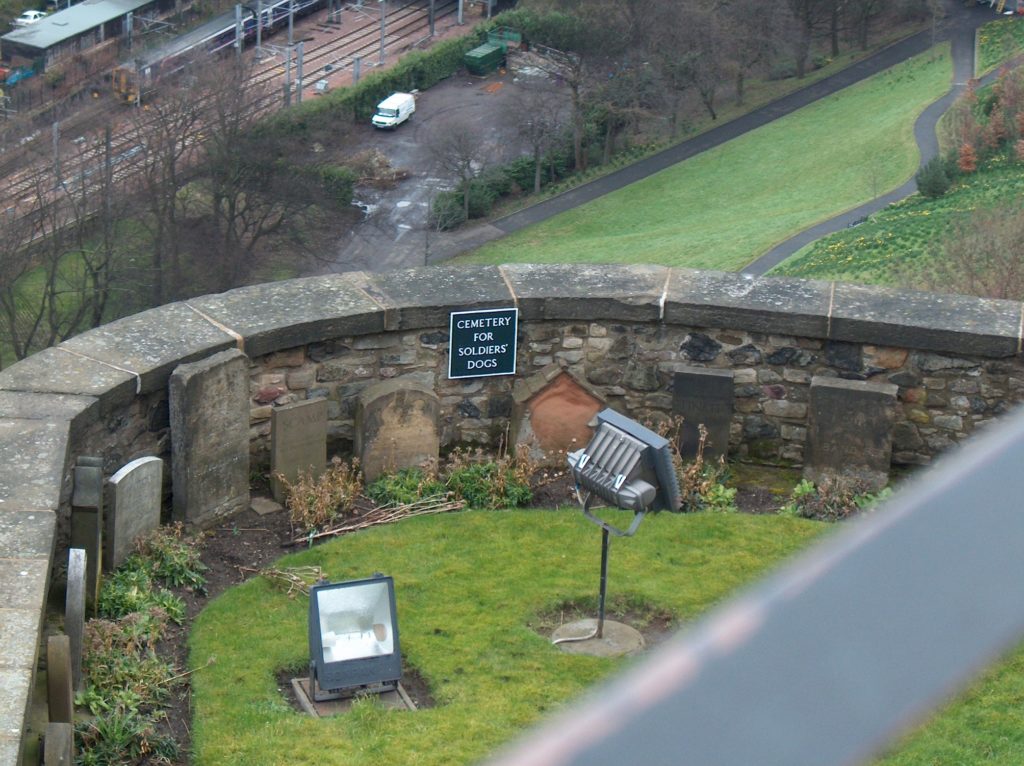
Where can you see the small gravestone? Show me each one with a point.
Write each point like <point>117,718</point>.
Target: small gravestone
<point>396,427</point>
<point>74,612</point>
<point>60,694</point>
<point>59,745</point>
<point>703,397</point>
<point>209,406</point>
<point>298,442</point>
<point>555,417</point>
<point>136,494</point>
<point>87,521</point>
<point>850,431</point>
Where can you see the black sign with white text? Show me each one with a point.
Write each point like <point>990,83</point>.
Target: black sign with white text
<point>483,343</point>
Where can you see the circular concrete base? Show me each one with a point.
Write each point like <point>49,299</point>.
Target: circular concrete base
<point>617,639</point>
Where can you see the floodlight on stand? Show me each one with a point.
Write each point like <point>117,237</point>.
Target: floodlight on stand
<point>353,638</point>
<point>629,467</point>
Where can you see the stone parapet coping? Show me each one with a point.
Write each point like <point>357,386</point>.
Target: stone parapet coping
<point>45,399</point>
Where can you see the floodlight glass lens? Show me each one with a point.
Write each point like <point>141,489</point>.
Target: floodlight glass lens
<point>355,622</point>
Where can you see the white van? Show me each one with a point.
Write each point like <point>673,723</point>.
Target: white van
<point>394,110</point>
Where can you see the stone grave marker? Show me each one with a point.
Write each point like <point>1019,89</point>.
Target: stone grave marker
<point>74,612</point>
<point>298,442</point>
<point>59,746</point>
<point>136,495</point>
<point>552,414</point>
<point>59,693</point>
<point>396,427</point>
<point>87,521</point>
<point>850,427</point>
<point>209,406</point>
<point>703,396</point>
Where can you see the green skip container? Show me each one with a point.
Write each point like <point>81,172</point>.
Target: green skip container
<point>484,59</point>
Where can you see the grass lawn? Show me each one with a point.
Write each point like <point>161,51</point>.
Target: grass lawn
<point>469,587</point>
<point>723,208</point>
<point>895,244</point>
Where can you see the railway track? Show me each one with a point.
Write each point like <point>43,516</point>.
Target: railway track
<point>83,159</point>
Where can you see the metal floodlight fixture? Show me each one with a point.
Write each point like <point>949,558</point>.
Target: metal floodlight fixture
<point>629,467</point>
<point>353,638</point>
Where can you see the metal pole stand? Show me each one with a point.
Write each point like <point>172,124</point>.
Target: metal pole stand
<point>604,583</point>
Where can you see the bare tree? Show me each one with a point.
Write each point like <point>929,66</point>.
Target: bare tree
<point>461,153</point>
<point>167,134</point>
<point>692,48</point>
<point>752,31</point>
<point>538,113</point>
<point>251,195</point>
<point>982,255</point>
<point>810,17</point>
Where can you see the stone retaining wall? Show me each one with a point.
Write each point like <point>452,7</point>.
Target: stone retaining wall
<point>620,332</point>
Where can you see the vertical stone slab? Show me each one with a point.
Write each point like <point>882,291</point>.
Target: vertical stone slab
<point>703,396</point>
<point>850,431</point>
<point>74,612</point>
<point>59,748</point>
<point>209,406</point>
<point>552,414</point>
<point>396,427</point>
<point>136,495</point>
<point>59,694</point>
<point>298,442</point>
<point>87,521</point>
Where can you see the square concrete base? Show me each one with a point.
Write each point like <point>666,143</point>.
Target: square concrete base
<point>395,700</point>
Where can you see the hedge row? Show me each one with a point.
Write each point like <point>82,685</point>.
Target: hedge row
<point>417,70</point>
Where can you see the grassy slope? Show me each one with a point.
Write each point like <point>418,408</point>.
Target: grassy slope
<point>468,587</point>
<point>721,209</point>
<point>896,243</point>
<point>999,41</point>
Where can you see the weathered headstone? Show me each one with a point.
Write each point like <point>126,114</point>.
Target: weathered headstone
<point>555,417</point>
<point>209,406</point>
<point>703,396</point>
<point>136,494</point>
<point>850,431</point>
<point>74,612</point>
<point>59,693</point>
<point>298,442</point>
<point>59,747</point>
<point>87,521</point>
<point>396,427</point>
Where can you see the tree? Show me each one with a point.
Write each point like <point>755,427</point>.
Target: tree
<point>932,179</point>
<point>168,135</point>
<point>538,113</point>
<point>252,194</point>
<point>461,153</point>
<point>982,255</point>
<point>752,31</point>
<point>810,17</point>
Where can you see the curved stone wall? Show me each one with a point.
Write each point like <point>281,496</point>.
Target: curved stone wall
<point>619,331</point>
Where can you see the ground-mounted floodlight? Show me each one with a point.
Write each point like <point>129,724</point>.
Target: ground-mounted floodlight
<point>629,467</point>
<point>353,638</point>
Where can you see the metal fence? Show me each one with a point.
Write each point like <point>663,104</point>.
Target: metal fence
<point>825,661</point>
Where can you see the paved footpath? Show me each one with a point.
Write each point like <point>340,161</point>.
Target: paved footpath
<point>959,27</point>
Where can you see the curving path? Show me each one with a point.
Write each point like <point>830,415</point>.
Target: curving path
<point>959,27</point>
<point>961,38</point>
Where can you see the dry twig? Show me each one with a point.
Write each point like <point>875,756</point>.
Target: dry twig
<point>388,514</point>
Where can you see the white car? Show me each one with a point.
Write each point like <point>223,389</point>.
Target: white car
<point>28,18</point>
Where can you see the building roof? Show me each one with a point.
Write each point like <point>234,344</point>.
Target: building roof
<point>72,22</point>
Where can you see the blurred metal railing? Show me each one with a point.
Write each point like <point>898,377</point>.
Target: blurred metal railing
<point>825,661</point>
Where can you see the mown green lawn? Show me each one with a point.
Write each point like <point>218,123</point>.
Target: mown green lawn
<point>897,244</point>
<point>725,207</point>
<point>469,587</point>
